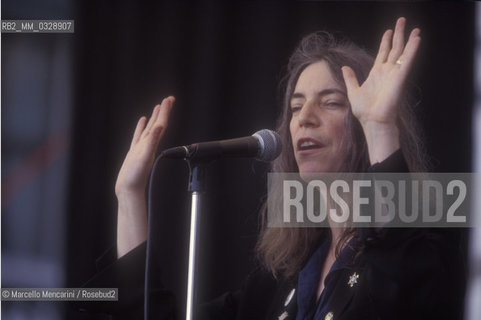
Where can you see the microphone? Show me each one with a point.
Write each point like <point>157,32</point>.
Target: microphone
<point>264,145</point>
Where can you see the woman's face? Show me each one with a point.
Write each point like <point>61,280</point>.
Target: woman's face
<point>319,108</point>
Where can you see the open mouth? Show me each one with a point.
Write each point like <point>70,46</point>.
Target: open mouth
<point>308,144</point>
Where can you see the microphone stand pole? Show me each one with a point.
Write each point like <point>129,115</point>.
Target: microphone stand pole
<point>196,187</point>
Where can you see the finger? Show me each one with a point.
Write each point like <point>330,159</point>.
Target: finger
<point>138,130</point>
<point>410,50</point>
<point>350,79</point>
<point>397,40</point>
<point>163,116</point>
<point>384,47</point>
<point>155,112</point>
<point>157,129</point>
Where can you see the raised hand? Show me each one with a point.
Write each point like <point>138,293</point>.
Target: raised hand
<point>375,103</point>
<point>136,167</point>
<point>133,176</point>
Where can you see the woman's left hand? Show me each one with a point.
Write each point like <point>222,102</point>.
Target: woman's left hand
<point>375,103</point>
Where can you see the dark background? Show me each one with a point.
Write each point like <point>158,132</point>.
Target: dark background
<point>223,62</point>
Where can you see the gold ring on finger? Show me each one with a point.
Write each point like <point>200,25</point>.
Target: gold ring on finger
<point>399,62</point>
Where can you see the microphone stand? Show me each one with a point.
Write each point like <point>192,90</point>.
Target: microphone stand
<point>196,188</point>
<point>264,144</point>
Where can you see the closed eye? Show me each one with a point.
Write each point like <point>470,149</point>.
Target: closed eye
<point>296,107</point>
<point>334,104</point>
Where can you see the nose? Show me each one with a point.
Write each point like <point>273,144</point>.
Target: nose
<point>308,115</point>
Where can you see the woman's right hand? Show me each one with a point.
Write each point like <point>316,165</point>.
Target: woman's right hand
<point>133,177</point>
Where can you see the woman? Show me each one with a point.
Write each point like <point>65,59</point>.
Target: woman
<point>342,112</point>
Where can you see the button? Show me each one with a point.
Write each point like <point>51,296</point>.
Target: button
<point>329,316</point>
<point>289,297</point>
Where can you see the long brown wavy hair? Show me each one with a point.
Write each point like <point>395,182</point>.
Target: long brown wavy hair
<point>284,251</point>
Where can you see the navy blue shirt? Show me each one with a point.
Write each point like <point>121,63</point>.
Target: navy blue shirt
<point>309,277</point>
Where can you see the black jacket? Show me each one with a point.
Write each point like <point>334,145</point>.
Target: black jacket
<point>403,274</point>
